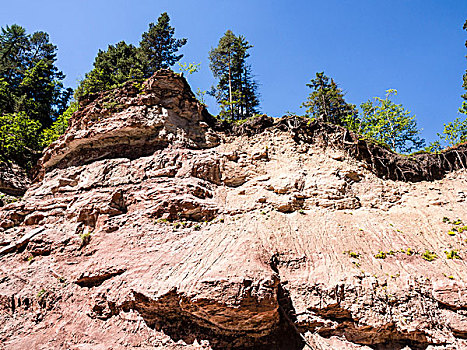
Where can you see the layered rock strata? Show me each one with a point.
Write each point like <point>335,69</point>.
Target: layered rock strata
<point>152,226</point>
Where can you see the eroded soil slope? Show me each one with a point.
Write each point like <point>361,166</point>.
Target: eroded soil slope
<point>150,226</point>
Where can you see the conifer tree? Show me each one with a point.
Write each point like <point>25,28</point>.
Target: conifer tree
<point>236,90</point>
<point>30,82</point>
<point>463,109</point>
<point>123,62</point>
<point>112,67</point>
<point>326,101</point>
<point>158,47</point>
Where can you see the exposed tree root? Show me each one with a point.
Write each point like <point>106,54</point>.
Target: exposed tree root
<point>383,162</point>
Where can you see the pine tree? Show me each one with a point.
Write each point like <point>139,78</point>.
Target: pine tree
<point>236,90</point>
<point>463,109</point>
<point>158,47</point>
<point>326,102</point>
<point>115,66</point>
<point>124,62</point>
<point>30,82</point>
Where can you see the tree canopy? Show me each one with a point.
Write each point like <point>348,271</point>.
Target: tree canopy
<point>123,62</point>
<point>390,124</point>
<point>326,102</point>
<point>236,90</point>
<point>30,81</point>
<point>158,47</point>
<point>463,108</point>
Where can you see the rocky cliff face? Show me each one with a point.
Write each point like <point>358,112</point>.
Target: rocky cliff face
<point>151,226</point>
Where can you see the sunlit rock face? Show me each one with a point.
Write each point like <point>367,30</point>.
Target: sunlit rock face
<point>150,225</point>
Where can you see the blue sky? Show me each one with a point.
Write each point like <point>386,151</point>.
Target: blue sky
<point>367,46</point>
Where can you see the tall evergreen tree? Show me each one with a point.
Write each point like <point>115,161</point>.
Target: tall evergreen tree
<point>463,109</point>
<point>236,90</point>
<point>124,62</point>
<point>326,102</point>
<point>30,82</point>
<point>158,47</point>
<point>113,67</point>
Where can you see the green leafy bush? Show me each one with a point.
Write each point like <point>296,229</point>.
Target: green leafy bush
<point>59,126</point>
<point>19,138</point>
<point>391,124</point>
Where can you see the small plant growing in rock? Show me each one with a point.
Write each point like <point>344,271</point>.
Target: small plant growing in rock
<point>85,238</point>
<point>301,211</point>
<point>462,229</point>
<point>381,255</point>
<point>457,222</point>
<point>429,256</point>
<point>409,252</point>
<point>453,254</point>
<point>452,232</point>
<point>41,293</point>
<point>352,254</point>
<point>446,220</point>
<point>197,227</point>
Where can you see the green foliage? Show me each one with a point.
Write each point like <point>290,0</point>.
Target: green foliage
<point>29,80</point>
<point>59,126</point>
<point>463,109</point>
<point>201,95</point>
<point>19,138</point>
<point>85,238</point>
<point>454,132</point>
<point>452,254</point>
<point>381,255</point>
<point>111,69</point>
<point>189,68</point>
<point>352,254</point>
<point>409,252</point>
<point>158,47</point>
<point>124,62</point>
<point>429,256</point>
<point>236,90</point>
<point>41,293</point>
<point>390,124</point>
<point>326,102</point>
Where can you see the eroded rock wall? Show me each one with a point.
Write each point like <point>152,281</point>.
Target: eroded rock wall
<point>147,228</point>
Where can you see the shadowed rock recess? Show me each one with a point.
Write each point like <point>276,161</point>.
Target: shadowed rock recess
<point>150,225</point>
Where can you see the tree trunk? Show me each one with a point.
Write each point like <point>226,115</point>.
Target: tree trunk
<point>230,88</point>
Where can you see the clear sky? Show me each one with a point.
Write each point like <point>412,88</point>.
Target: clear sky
<point>367,46</point>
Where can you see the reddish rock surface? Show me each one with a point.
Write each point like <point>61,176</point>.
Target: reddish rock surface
<point>152,227</point>
<point>13,180</point>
